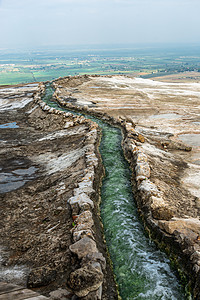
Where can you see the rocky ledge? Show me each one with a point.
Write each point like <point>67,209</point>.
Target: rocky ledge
<point>169,209</point>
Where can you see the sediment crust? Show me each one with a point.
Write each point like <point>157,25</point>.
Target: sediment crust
<point>174,231</point>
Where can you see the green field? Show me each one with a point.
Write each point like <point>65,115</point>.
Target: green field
<point>42,65</point>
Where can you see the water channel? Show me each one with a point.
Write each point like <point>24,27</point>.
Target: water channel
<point>142,271</point>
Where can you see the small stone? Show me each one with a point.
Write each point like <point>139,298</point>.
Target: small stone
<point>80,227</point>
<point>195,257</point>
<point>68,124</point>
<point>59,208</point>
<point>87,190</point>
<point>196,269</point>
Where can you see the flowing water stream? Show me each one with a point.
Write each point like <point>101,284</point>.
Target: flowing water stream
<point>142,271</point>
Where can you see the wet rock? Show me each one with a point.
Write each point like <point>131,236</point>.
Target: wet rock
<point>41,277</point>
<point>86,279</point>
<point>83,247</point>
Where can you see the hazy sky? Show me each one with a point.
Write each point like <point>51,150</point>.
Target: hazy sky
<point>29,23</point>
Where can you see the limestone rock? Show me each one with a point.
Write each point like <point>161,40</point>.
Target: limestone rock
<point>85,218</point>
<point>148,189</point>
<point>80,200</point>
<point>83,247</point>
<point>85,280</point>
<point>178,224</point>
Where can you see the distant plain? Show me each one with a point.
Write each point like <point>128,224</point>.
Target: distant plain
<point>164,63</point>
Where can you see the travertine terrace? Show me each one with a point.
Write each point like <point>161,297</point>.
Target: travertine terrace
<point>51,173</point>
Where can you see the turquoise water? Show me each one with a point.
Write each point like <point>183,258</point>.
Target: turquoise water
<point>141,270</point>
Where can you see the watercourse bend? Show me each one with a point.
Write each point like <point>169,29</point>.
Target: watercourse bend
<point>142,271</point>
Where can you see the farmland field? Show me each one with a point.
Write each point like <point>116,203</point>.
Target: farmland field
<point>147,62</point>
